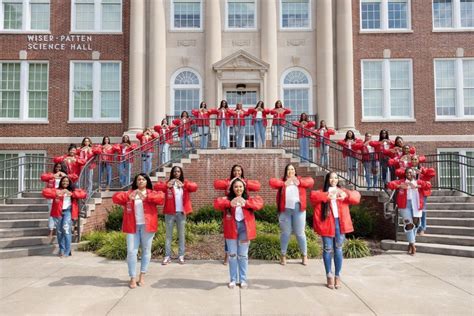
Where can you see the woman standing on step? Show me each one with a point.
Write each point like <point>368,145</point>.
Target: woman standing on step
<point>323,133</point>
<point>107,155</point>
<point>238,123</point>
<point>239,228</point>
<point>177,206</point>
<point>166,140</point>
<point>291,204</point>
<point>278,125</point>
<point>349,155</point>
<point>332,220</point>
<point>384,143</point>
<point>185,131</point>
<point>202,121</point>
<point>140,222</point>
<point>72,162</point>
<point>223,121</point>
<point>87,153</point>
<point>303,134</point>
<point>125,157</point>
<point>410,204</point>
<point>64,210</point>
<point>259,122</point>
<point>224,184</point>
<point>145,138</point>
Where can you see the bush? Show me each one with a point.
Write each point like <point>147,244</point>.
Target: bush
<point>95,240</point>
<point>355,248</point>
<point>204,228</point>
<point>205,214</point>
<point>309,215</point>
<point>267,228</point>
<point>310,234</point>
<point>267,247</point>
<point>268,214</point>
<point>114,247</point>
<point>363,221</point>
<point>114,218</point>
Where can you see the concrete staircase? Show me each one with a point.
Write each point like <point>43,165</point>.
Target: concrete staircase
<point>450,221</point>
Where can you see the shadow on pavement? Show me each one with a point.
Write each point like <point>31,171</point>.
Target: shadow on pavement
<point>91,281</point>
<point>280,284</point>
<point>186,284</point>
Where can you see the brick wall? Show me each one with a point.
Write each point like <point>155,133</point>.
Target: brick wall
<point>98,217</point>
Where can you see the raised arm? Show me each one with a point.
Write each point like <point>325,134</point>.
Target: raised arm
<point>276,183</point>
<point>190,186</point>
<point>254,203</point>
<point>221,203</point>
<point>306,182</point>
<point>120,198</point>
<point>317,197</point>
<point>253,185</point>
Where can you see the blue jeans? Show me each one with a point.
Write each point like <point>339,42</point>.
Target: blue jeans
<point>304,148</point>
<point>223,135</point>
<point>238,254</point>
<point>259,133</point>
<point>165,153</point>
<point>422,226</point>
<point>124,173</point>
<point>324,154</point>
<point>204,135</point>
<point>64,232</point>
<point>105,167</point>
<point>292,220</point>
<point>277,135</point>
<point>186,139</point>
<point>333,245</point>
<point>180,219</point>
<point>145,239</point>
<point>384,169</point>
<point>351,163</point>
<point>239,136</point>
<point>371,177</point>
<point>146,162</point>
<point>409,226</point>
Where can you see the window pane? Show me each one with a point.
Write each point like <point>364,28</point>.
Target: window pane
<point>373,88</point>
<point>185,100</point>
<point>10,90</point>
<point>467,13</point>
<point>445,87</point>
<point>12,16</point>
<point>241,14</point>
<point>470,172</point>
<point>34,167</point>
<point>397,15</point>
<point>186,77</point>
<point>85,16</point>
<point>8,174</point>
<point>187,14</point>
<point>468,74</point>
<point>400,74</point>
<point>445,74</point>
<point>295,77</point>
<point>372,74</point>
<point>40,16</point>
<point>370,15</point>
<point>38,91</point>
<point>111,17</point>
<point>110,90</point>
<point>297,100</point>
<point>449,169</point>
<point>373,103</point>
<point>442,13</point>
<point>295,13</point>
<point>82,90</point>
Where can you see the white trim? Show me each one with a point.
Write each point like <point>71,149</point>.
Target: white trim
<point>286,29</point>
<point>186,29</point>
<point>384,27</point>
<point>173,86</point>
<point>20,152</point>
<point>54,140</point>
<point>26,18</point>
<point>308,86</point>
<point>233,29</point>
<point>98,28</point>
<point>456,19</point>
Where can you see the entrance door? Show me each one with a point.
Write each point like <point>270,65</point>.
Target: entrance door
<point>248,98</point>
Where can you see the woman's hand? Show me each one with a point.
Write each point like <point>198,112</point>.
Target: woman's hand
<point>237,201</point>
<point>341,195</point>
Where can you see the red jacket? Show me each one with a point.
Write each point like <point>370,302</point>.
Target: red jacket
<point>184,127</point>
<point>224,184</point>
<point>397,153</point>
<point>230,226</point>
<point>170,207</point>
<point>57,207</point>
<point>402,193</point>
<point>228,117</point>
<point>346,150</point>
<point>126,155</point>
<point>425,174</point>
<point>149,209</point>
<point>107,153</point>
<point>363,147</point>
<point>398,162</point>
<point>327,134</point>
<point>253,112</point>
<point>146,142</point>
<point>50,179</point>
<point>238,119</point>
<point>73,165</point>
<point>166,134</point>
<point>305,183</point>
<point>279,117</point>
<point>87,154</point>
<point>381,146</point>
<point>327,228</point>
<point>202,118</point>
<point>303,131</point>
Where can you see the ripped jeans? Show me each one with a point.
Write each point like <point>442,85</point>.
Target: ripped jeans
<point>411,220</point>
<point>333,245</point>
<point>238,254</point>
<point>64,232</point>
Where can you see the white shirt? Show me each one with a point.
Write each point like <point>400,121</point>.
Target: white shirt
<point>292,196</point>
<point>139,211</point>
<point>322,131</point>
<point>239,214</point>
<point>178,199</point>
<point>334,209</point>
<point>413,196</point>
<point>66,202</point>
<point>56,182</point>
<point>386,145</point>
<point>370,149</point>
<point>259,114</point>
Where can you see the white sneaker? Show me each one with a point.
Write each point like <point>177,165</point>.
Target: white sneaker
<point>181,260</point>
<point>231,285</point>
<point>244,285</point>
<point>166,260</point>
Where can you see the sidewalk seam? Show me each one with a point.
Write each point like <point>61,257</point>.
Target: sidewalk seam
<point>118,301</point>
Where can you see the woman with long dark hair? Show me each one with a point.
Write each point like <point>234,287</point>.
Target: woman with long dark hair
<point>166,139</point>
<point>224,122</point>
<point>349,155</point>
<point>202,121</point>
<point>370,160</point>
<point>185,131</point>
<point>259,122</point>
<point>303,134</point>
<point>291,204</point>
<point>332,220</point>
<point>107,155</point>
<point>125,157</point>
<point>87,153</point>
<point>145,138</point>
<point>323,134</point>
<point>140,223</point>
<point>383,144</point>
<point>238,122</point>
<point>72,162</point>
<point>279,114</point>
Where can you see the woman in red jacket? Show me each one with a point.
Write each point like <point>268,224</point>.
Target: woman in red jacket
<point>107,154</point>
<point>185,130</point>
<point>145,138</point>
<point>166,139</point>
<point>177,206</point>
<point>381,146</point>
<point>224,122</point>
<point>64,210</point>
<point>202,121</point>
<point>239,228</point>
<point>370,160</point>
<point>349,155</point>
<point>332,220</point>
<point>323,133</point>
<point>303,134</point>
<point>72,162</point>
<point>410,204</point>
<point>140,222</point>
<point>87,153</point>
<point>239,115</point>
<point>291,204</point>
<point>125,156</point>
<point>279,113</point>
<point>259,122</point>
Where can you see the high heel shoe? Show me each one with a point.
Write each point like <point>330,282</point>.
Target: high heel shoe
<point>337,282</point>
<point>283,260</point>
<point>330,283</point>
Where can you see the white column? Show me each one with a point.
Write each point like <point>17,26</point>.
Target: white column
<point>213,53</point>
<point>324,62</point>
<point>157,83</point>
<point>345,66</point>
<point>269,49</point>
<point>137,66</point>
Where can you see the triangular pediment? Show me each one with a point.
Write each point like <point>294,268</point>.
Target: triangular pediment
<point>241,60</point>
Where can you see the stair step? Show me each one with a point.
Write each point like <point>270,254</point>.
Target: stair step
<point>23,215</point>
<point>20,232</point>
<point>32,251</point>
<point>29,200</point>
<point>446,193</point>
<point>451,199</point>
<point>448,230</point>
<point>441,221</point>
<point>449,250</point>
<point>23,223</point>
<point>23,208</point>
<point>19,242</point>
<point>450,213</point>
<point>36,194</point>
<point>441,239</point>
<point>449,206</point>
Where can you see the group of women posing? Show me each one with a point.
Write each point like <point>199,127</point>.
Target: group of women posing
<point>331,218</point>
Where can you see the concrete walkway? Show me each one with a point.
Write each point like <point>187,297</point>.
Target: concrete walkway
<point>393,283</point>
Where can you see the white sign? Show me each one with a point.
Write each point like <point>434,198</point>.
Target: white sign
<point>59,42</point>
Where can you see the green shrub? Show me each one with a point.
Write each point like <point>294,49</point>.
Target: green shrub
<point>363,221</point>
<point>158,245</point>
<point>204,228</point>
<point>309,215</point>
<point>267,228</point>
<point>268,214</point>
<point>114,247</point>
<point>114,218</point>
<point>267,247</point>
<point>310,234</point>
<point>293,252</point>
<point>355,248</point>
<point>95,240</point>
<point>205,214</point>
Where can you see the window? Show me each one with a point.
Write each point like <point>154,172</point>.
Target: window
<point>455,169</point>
<point>297,93</point>
<point>295,14</point>
<point>95,91</point>
<point>241,14</point>
<point>186,14</point>
<point>23,91</point>
<point>387,89</point>
<point>24,15</point>
<point>453,14</point>
<point>97,15</point>
<point>185,91</point>
<point>21,171</point>
<point>385,15</point>
<point>454,85</point>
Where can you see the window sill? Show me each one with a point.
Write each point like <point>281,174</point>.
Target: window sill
<point>453,30</point>
<point>305,29</point>
<point>388,120</point>
<point>454,119</point>
<point>385,31</point>
<point>241,30</point>
<point>94,122</point>
<point>183,30</point>
<point>25,32</point>
<point>96,33</point>
<point>13,121</point>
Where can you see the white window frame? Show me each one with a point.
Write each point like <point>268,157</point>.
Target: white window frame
<point>97,19</point>
<point>308,86</point>
<point>233,29</point>
<point>459,75</point>
<point>174,86</point>
<point>386,86</point>
<point>24,101</point>
<point>96,89</point>
<point>309,27</point>
<point>186,29</point>
<point>384,19</point>
<point>462,168</point>
<point>456,20</point>
<point>26,17</point>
